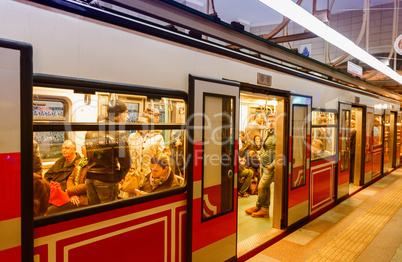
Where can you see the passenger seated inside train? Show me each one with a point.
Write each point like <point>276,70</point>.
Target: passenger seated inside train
<point>247,169</point>
<point>64,166</point>
<point>144,144</point>
<point>76,191</point>
<point>161,177</point>
<point>317,149</point>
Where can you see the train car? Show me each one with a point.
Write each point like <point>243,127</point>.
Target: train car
<point>64,64</point>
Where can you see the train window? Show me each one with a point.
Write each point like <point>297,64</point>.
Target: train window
<point>109,146</point>
<point>299,148</point>
<point>51,109</point>
<point>323,134</point>
<point>218,155</point>
<point>377,131</point>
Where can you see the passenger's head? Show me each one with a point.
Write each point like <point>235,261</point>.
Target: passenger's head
<point>160,165</point>
<point>68,150</point>
<point>41,190</point>
<point>259,118</point>
<point>242,136</point>
<point>144,118</point>
<point>271,122</point>
<point>323,121</point>
<point>257,140</point>
<point>317,146</point>
<point>154,112</point>
<point>353,124</point>
<point>117,110</point>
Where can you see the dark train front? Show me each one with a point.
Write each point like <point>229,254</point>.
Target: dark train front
<point>305,143</point>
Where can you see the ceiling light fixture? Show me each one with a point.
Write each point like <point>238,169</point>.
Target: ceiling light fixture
<point>305,19</point>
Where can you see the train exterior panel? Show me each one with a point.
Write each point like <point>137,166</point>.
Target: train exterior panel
<point>155,230</point>
<point>198,220</point>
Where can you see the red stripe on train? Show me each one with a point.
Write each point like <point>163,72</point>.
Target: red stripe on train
<point>10,194</point>
<point>12,254</point>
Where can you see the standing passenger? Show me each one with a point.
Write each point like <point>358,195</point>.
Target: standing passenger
<point>267,155</point>
<point>108,157</point>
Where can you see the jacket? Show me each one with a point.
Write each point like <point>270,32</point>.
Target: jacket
<point>79,189</point>
<point>170,183</point>
<point>59,173</point>
<point>267,153</point>
<point>108,154</point>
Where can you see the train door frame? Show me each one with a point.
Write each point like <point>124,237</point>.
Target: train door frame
<point>360,145</point>
<point>298,197</point>
<point>398,140</point>
<point>280,186</point>
<point>368,172</point>
<point>214,236</point>
<point>342,175</point>
<point>385,161</point>
<point>393,134</point>
<point>16,241</point>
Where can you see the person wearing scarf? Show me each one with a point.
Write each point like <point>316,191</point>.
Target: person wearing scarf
<point>76,192</point>
<point>161,176</point>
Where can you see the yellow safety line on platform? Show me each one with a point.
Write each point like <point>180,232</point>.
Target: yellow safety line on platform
<point>349,244</point>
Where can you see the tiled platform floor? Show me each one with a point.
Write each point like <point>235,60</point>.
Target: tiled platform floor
<point>366,227</point>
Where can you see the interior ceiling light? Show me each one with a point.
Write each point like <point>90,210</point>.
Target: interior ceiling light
<point>305,19</point>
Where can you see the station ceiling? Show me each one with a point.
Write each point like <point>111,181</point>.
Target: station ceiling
<point>253,13</point>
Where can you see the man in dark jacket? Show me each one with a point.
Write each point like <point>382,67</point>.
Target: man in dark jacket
<point>64,166</point>
<point>161,177</point>
<point>108,156</point>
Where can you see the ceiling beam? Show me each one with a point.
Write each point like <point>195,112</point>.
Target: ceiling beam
<point>291,38</point>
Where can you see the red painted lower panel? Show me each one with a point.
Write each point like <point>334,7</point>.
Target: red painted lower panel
<point>12,254</point>
<point>213,230</point>
<point>321,183</point>
<point>10,194</point>
<point>153,231</point>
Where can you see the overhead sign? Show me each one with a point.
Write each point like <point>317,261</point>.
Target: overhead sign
<point>355,69</point>
<point>398,45</point>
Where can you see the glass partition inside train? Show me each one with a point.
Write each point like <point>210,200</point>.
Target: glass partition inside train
<point>134,145</point>
<point>323,134</point>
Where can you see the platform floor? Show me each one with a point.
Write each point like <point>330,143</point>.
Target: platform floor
<point>365,227</point>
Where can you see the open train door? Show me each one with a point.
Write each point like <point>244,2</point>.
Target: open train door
<point>16,205</point>
<point>299,158</point>
<point>212,197</point>
<point>344,152</point>
<point>368,155</point>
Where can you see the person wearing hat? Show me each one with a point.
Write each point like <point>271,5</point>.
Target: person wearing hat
<point>154,112</point>
<point>108,156</point>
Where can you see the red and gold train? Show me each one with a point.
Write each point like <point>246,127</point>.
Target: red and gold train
<point>61,64</point>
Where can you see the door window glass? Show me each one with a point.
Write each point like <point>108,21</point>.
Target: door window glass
<point>299,148</point>
<point>218,156</point>
<point>345,137</point>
